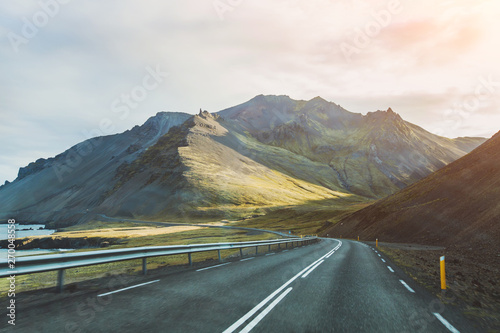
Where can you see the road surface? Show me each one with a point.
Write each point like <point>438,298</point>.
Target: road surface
<point>330,286</point>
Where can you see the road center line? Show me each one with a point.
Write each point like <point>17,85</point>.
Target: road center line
<point>137,285</point>
<point>250,313</point>
<point>312,269</point>
<point>202,269</point>
<point>407,286</point>
<point>256,320</point>
<point>383,260</point>
<point>445,323</point>
<point>390,268</point>
<point>330,254</point>
<point>247,259</point>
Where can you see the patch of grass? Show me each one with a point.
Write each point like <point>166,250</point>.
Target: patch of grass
<point>310,219</point>
<point>201,235</point>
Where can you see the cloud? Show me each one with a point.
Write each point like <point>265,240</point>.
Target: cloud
<point>431,42</point>
<point>63,82</point>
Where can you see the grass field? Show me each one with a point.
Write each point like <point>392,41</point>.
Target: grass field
<point>299,220</point>
<point>137,235</point>
<point>308,219</point>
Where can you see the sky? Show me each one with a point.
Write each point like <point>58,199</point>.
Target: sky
<point>71,70</point>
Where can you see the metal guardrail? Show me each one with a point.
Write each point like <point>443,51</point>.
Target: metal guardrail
<point>60,262</point>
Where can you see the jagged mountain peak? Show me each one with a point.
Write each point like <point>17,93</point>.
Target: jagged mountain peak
<point>207,115</point>
<point>263,113</point>
<point>161,119</point>
<point>318,102</point>
<point>381,121</point>
<point>389,113</point>
<point>318,99</point>
<point>270,98</point>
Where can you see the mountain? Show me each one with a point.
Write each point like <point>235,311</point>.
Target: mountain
<point>269,152</point>
<point>62,188</point>
<point>456,206</point>
<point>195,167</point>
<point>372,156</point>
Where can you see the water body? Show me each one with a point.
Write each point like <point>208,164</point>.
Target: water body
<point>25,230</point>
<point>22,230</point>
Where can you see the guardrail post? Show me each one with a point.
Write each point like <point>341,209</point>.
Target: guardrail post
<point>269,248</point>
<point>279,247</point>
<point>286,245</point>
<point>256,250</point>
<point>144,266</point>
<point>190,259</point>
<point>241,252</point>
<point>218,252</point>
<point>60,280</point>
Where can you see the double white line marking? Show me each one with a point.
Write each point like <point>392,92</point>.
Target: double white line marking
<point>312,269</point>
<point>257,319</point>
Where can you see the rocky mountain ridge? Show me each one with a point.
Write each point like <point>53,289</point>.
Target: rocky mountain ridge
<point>271,151</point>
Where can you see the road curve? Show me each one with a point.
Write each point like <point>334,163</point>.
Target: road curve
<point>331,286</point>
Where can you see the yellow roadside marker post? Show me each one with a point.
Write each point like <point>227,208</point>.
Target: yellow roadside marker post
<point>376,242</point>
<point>358,238</point>
<point>443,274</point>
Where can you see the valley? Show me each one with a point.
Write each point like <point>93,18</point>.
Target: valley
<point>273,163</point>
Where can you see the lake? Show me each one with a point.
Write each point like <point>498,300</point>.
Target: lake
<point>22,230</point>
<point>25,230</point>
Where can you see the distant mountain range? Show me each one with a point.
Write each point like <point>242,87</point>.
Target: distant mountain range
<point>269,152</point>
<point>456,206</point>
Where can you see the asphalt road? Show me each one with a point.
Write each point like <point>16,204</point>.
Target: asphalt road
<point>331,286</point>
